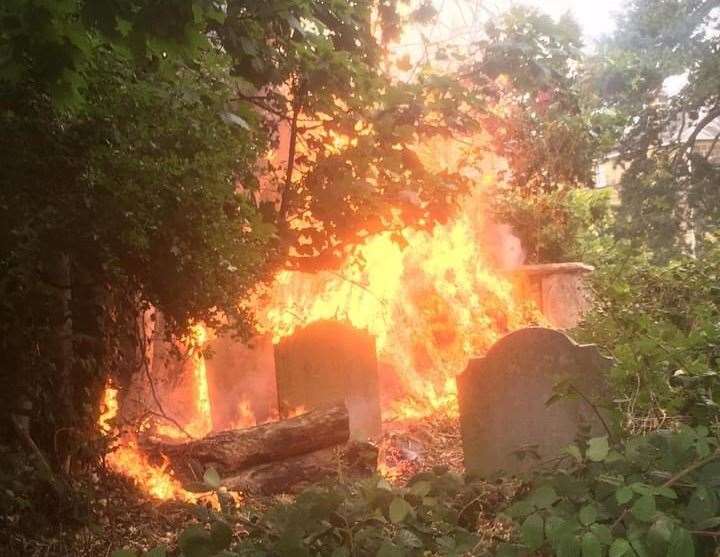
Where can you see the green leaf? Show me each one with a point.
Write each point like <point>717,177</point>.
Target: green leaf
<point>389,549</point>
<point>710,523</point>
<point>543,497</point>
<point>406,538</point>
<point>421,489</point>
<point>603,533</point>
<point>659,535</point>
<point>574,451</point>
<point>212,478</point>
<point>590,546</point>
<point>624,495</point>
<point>619,548</point>
<point>532,531</point>
<point>221,534</point>
<point>588,514</point>
<point>123,553</point>
<point>703,505</point>
<point>568,547</point>
<point>399,510</point>
<point>643,488</point>
<point>666,492</point>
<point>681,544</point>
<point>644,508</point>
<point>520,509</point>
<point>598,449</point>
<point>158,551</point>
<point>195,541</point>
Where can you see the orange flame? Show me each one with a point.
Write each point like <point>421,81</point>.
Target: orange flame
<point>203,423</point>
<point>431,304</point>
<point>127,459</point>
<point>109,409</point>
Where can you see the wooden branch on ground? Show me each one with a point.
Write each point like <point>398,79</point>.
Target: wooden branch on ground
<point>350,461</point>
<point>234,451</point>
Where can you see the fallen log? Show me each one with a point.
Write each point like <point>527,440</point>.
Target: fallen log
<point>351,461</point>
<point>232,451</point>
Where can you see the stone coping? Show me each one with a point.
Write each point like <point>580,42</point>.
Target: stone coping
<point>553,268</point>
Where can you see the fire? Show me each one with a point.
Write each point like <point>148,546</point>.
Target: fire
<point>203,424</point>
<point>127,459</point>
<point>245,415</point>
<point>431,303</point>
<point>109,409</point>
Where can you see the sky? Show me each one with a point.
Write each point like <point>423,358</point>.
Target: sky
<point>594,16</point>
<point>460,16</point>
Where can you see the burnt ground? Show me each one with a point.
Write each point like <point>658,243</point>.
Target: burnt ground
<point>108,512</point>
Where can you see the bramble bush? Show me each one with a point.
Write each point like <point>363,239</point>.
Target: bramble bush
<point>434,513</point>
<point>662,326</point>
<point>649,495</point>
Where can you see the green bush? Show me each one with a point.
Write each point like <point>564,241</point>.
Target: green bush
<point>556,226</point>
<point>650,495</point>
<point>662,326</point>
<point>434,514</point>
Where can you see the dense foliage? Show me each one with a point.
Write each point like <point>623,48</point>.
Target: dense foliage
<point>543,127</point>
<point>648,495</point>
<point>556,226</point>
<point>660,323</point>
<point>135,173</point>
<point>127,203</point>
<point>435,512</point>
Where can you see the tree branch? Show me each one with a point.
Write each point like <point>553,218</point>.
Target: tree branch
<point>298,101</point>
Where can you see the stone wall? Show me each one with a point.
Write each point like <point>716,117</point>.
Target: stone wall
<point>559,290</point>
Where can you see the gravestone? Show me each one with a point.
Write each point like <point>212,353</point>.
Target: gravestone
<point>241,381</point>
<point>503,396</point>
<point>329,362</point>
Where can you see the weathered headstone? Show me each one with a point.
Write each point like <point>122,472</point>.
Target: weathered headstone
<point>329,362</point>
<point>241,381</point>
<point>503,399</point>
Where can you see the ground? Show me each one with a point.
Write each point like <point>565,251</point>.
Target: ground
<point>111,513</point>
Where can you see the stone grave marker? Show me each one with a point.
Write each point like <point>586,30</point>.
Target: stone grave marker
<point>241,381</point>
<point>503,396</point>
<point>329,362</point>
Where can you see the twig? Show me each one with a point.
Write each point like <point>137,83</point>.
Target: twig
<point>153,391</point>
<point>694,466</point>
<point>597,412</point>
<point>674,479</point>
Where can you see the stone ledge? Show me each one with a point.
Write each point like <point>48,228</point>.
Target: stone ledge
<point>553,268</point>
